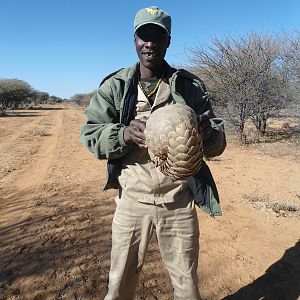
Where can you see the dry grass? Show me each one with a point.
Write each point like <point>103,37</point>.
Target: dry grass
<point>262,202</point>
<point>283,128</point>
<point>39,132</point>
<point>282,207</point>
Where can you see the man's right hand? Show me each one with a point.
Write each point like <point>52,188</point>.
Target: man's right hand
<point>134,133</point>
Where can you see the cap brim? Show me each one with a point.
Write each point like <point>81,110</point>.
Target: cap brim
<point>155,23</point>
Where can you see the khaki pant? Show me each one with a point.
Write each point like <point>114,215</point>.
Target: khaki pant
<point>177,231</point>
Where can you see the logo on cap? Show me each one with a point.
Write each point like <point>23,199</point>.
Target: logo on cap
<point>152,10</point>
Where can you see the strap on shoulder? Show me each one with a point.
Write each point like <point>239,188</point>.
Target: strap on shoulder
<point>186,74</point>
<point>109,76</point>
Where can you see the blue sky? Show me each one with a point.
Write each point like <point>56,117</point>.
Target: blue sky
<point>65,47</point>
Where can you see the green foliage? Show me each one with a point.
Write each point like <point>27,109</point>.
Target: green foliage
<point>12,92</point>
<point>39,97</point>
<point>54,99</point>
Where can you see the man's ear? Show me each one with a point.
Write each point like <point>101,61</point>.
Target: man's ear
<point>169,42</point>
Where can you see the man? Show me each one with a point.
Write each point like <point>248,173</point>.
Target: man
<point>148,199</point>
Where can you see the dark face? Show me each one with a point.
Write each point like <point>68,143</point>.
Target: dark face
<point>151,43</point>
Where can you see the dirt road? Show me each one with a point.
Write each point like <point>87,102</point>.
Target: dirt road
<point>55,225</point>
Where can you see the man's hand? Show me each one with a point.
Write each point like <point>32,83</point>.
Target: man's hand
<point>134,133</point>
<point>204,126</point>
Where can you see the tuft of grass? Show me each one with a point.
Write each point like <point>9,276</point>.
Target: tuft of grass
<point>39,132</point>
<point>282,207</point>
<point>256,197</point>
<point>262,202</point>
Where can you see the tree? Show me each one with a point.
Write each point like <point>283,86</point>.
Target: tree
<point>77,98</point>
<point>291,64</point>
<point>82,99</point>
<point>54,99</point>
<point>244,77</point>
<point>291,55</point>
<point>12,92</point>
<point>39,97</point>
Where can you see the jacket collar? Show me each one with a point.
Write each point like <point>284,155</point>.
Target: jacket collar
<point>172,74</point>
<point>128,73</point>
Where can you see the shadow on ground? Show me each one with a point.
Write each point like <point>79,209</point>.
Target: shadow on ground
<point>61,250</point>
<point>48,108</point>
<point>21,114</point>
<point>29,112</point>
<point>281,280</point>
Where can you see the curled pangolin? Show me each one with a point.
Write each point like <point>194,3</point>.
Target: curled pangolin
<point>173,140</point>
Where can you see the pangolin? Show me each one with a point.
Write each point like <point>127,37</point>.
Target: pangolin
<point>174,141</point>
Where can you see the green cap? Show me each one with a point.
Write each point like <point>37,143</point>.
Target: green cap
<point>152,15</point>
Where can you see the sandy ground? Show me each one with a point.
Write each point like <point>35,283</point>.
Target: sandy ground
<point>55,224</point>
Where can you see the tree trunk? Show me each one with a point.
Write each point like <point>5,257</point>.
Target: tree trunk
<point>262,124</point>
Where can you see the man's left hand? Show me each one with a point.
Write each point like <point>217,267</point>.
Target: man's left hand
<point>204,126</point>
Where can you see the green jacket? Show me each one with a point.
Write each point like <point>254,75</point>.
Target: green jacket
<point>112,108</point>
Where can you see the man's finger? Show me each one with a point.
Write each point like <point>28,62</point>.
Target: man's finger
<point>139,135</point>
<point>143,119</point>
<point>138,125</point>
